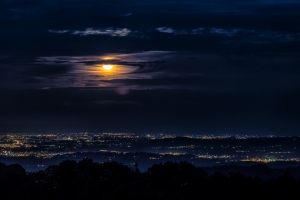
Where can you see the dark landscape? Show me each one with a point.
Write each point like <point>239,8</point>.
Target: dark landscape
<point>111,180</point>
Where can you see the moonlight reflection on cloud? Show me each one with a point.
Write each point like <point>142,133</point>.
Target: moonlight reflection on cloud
<point>115,71</point>
<point>105,71</point>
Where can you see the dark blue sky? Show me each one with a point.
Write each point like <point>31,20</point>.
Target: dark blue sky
<point>179,66</point>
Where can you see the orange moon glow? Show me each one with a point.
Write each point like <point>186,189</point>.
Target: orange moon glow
<point>107,67</point>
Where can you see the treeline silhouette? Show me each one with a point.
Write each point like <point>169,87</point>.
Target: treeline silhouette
<point>112,180</point>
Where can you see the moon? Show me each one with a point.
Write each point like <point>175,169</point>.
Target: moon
<point>107,67</point>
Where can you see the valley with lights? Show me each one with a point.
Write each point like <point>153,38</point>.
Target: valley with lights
<point>37,151</point>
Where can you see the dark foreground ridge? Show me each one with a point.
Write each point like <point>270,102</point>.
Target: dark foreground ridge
<point>87,179</point>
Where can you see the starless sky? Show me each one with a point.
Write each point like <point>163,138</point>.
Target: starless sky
<point>180,66</point>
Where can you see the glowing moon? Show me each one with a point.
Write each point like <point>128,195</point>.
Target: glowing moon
<point>107,67</point>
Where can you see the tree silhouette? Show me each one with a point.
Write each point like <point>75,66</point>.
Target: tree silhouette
<point>87,179</point>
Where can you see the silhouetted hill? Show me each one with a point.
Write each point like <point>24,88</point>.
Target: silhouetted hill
<point>260,170</point>
<point>87,179</point>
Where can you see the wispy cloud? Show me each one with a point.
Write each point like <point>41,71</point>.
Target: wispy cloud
<point>200,31</point>
<point>86,71</point>
<point>247,35</point>
<point>165,30</point>
<point>197,31</point>
<point>127,15</point>
<point>58,31</point>
<point>180,32</point>
<point>115,32</point>
<point>221,31</point>
<point>171,31</point>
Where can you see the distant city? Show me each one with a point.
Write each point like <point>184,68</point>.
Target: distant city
<point>38,151</point>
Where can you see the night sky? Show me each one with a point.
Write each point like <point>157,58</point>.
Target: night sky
<point>181,66</point>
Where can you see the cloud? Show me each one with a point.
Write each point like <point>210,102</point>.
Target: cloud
<point>87,71</point>
<point>58,31</point>
<point>165,30</point>
<point>118,32</point>
<point>127,15</point>
<point>171,31</point>
<point>221,31</point>
<point>156,69</point>
<point>113,102</point>
<point>236,35</point>
<point>115,32</point>
<point>200,30</point>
